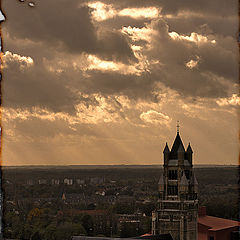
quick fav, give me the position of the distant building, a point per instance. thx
(30, 182)
(68, 181)
(214, 228)
(42, 181)
(177, 207)
(96, 180)
(55, 181)
(80, 181)
(73, 198)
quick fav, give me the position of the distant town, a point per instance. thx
(60, 202)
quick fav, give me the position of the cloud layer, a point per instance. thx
(98, 72)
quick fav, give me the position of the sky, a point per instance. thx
(105, 82)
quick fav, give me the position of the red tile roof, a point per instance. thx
(146, 234)
(216, 223)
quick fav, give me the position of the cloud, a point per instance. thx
(223, 7)
(96, 58)
(103, 11)
(193, 63)
(11, 114)
(98, 64)
(53, 28)
(2, 18)
(234, 100)
(194, 37)
(100, 74)
(41, 132)
(155, 117)
(150, 12)
(22, 61)
(138, 34)
(70, 30)
(186, 22)
(36, 86)
(112, 45)
(173, 54)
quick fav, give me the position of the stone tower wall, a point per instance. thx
(177, 209)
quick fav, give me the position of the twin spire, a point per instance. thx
(177, 146)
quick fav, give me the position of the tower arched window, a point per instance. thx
(172, 174)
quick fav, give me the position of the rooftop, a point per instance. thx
(215, 223)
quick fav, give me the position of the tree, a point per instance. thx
(127, 230)
(64, 231)
(91, 206)
(87, 223)
(78, 229)
(50, 232)
(36, 236)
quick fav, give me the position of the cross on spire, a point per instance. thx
(178, 126)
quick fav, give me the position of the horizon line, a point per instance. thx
(90, 165)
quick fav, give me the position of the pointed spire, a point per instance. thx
(181, 148)
(184, 181)
(195, 182)
(166, 149)
(189, 149)
(176, 145)
(161, 182)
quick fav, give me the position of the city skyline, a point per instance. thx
(105, 82)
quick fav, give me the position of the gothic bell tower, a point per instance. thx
(177, 207)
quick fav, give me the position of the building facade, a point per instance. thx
(177, 207)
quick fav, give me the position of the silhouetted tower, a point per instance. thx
(177, 209)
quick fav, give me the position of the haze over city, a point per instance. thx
(105, 82)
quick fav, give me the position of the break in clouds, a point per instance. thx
(114, 76)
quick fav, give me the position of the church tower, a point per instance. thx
(177, 207)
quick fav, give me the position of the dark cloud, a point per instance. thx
(117, 22)
(219, 7)
(108, 83)
(52, 22)
(190, 82)
(174, 54)
(36, 87)
(219, 61)
(112, 40)
(67, 26)
(203, 25)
